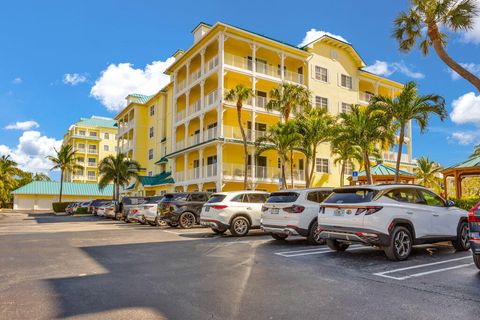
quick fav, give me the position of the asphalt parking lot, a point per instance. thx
(86, 267)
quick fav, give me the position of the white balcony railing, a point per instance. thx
(237, 61)
(211, 64)
(179, 176)
(392, 156)
(194, 173)
(180, 115)
(211, 170)
(293, 77)
(91, 150)
(92, 164)
(196, 106)
(181, 85)
(82, 150)
(179, 145)
(260, 102)
(91, 177)
(258, 134)
(365, 97)
(194, 140)
(232, 132)
(210, 134)
(211, 98)
(195, 75)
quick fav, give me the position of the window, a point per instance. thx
(92, 161)
(345, 107)
(404, 195)
(200, 197)
(81, 146)
(348, 168)
(82, 132)
(346, 81)
(321, 74)
(321, 165)
(150, 154)
(216, 198)
(283, 197)
(152, 110)
(354, 195)
(79, 172)
(93, 134)
(149, 173)
(238, 198)
(91, 175)
(106, 148)
(321, 102)
(318, 196)
(279, 163)
(257, 198)
(81, 160)
(150, 134)
(432, 199)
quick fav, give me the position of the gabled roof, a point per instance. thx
(470, 162)
(383, 170)
(96, 121)
(140, 98)
(156, 180)
(162, 160)
(69, 189)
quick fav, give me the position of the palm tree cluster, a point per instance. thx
(354, 137)
(118, 170)
(12, 177)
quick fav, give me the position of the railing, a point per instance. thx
(196, 106)
(298, 175)
(211, 170)
(211, 64)
(258, 134)
(90, 177)
(211, 98)
(267, 69)
(232, 132)
(194, 140)
(365, 97)
(210, 134)
(194, 173)
(180, 115)
(179, 145)
(260, 102)
(195, 75)
(92, 150)
(293, 76)
(80, 150)
(92, 164)
(181, 85)
(237, 61)
(392, 156)
(179, 176)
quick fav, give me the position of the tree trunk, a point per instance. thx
(366, 161)
(117, 192)
(61, 186)
(245, 149)
(291, 168)
(312, 170)
(284, 182)
(342, 174)
(114, 191)
(399, 151)
(434, 35)
(307, 172)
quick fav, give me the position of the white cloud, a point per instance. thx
(384, 68)
(465, 137)
(25, 125)
(473, 35)
(466, 109)
(74, 78)
(32, 150)
(17, 80)
(472, 67)
(120, 80)
(314, 34)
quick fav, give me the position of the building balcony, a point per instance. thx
(194, 140)
(195, 75)
(194, 174)
(211, 64)
(365, 97)
(180, 115)
(210, 134)
(195, 107)
(211, 99)
(392, 156)
(93, 151)
(211, 170)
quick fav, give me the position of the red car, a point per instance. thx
(474, 223)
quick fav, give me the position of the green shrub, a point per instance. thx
(60, 206)
(81, 211)
(466, 203)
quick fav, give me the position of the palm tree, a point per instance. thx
(456, 15)
(476, 151)
(281, 137)
(365, 128)
(288, 98)
(238, 95)
(427, 172)
(314, 128)
(119, 170)
(65, 161)
(8, 181)
(409, 105)
(346, 153)
(39, 176)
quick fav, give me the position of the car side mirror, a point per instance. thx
(450, 203)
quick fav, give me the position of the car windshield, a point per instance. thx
(133, 201)
(154, 200)
(100, 202)
(281, 197)
(174, 197)
(215, 198)
(354, 195)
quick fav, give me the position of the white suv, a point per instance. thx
(238, 211)
(392, 217)
(294, 212)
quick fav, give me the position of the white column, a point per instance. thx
(282, 66)
(187, 123)
(185, 164)
(201, 164)
(201, 128)
(254, 58)
(202, 95)
(392, 92)
(187, 78)
(376, 88)
(219, 167)
(220, 82)
(187, 103)
(174, 97)
(202, 62)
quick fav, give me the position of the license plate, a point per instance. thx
(339, 212)
(475, 235)
(275, 210)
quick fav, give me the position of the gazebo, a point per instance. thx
(459, 171)
(383, 174)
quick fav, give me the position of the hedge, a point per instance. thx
(60, 206)
(81, 211)
(466, 203)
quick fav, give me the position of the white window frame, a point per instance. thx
(349, 168)
(106, 136)
(106, 148)
(321, 164)
(346, 82)
(152, 110)
(151, 132)
(320, 73)
(150, 154)
(323, 102)
(346, 105)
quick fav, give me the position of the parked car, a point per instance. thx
(237, 211)
(474, 223)
(150, 211)
(92, 209)
(69, 207)
(110, 208)
(135, 214)
(126, 204)
(182, 209)
(294, 212)
(392, 217)
(83, 205)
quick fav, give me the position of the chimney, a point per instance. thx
(200, 30)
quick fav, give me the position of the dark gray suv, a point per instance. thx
(182, 209)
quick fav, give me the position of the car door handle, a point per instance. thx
(435, 214)
(409, 212)
(249, 208)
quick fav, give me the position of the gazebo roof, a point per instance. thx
(470, 162)
(383, 170)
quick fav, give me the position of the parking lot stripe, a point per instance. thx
(385, 274)
(298, 253)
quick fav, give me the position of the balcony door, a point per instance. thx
(211, 166)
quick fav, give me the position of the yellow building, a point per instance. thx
(92, 139)
(196, 137)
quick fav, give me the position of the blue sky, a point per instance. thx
(53, 52)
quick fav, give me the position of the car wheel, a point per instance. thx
(153, 224)
(400, 244)
(173, 225)
(336, 245)
(142, 220)
(160, 223)
(476, 259)
(462, 243)
(239, 226)
(186, 220)
(314, 235)
(219, 231)
(279, 236)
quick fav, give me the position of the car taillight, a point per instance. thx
(474, 214)
(294, 209)
(135, 211)
(219, 207)
(368, 210)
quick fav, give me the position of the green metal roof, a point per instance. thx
(470, 162)
(382, 170)
(156, 180)
(140, 98)
(97, 122)
(69, 188)
(162, 160)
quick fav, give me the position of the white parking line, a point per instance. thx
(306, 252)
(385, 274)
